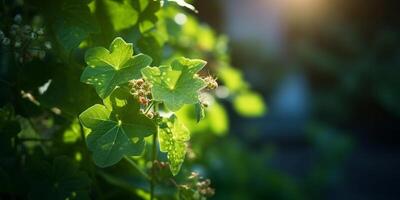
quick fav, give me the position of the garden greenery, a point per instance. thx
(103, 94)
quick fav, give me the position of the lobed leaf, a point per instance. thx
(117, 132)
(108, 69)
(177, 84)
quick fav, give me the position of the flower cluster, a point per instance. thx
(197, 187)
(211, 82)
(27, 41)
(140, 89)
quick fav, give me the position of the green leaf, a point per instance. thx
(200, 113)
(73, 23)
(149, 45)
(177, 84)
(147, 16)
(173, 136)
(116, 133)
(122, 14)
(108, 69)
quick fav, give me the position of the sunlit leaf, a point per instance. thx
(177, 84)
(109, 68)
(147, 16)
(173, 136)
(122, 14)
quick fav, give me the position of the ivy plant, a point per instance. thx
(118, 127)
(114, 94)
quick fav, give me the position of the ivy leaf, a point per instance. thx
(108, 69)
(116, 133)
(177, 84)
(173, 136)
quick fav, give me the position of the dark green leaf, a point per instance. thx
(73, 23)
(117, 132)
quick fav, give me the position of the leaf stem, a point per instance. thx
(132, 162)
(148, 108)
(154, 156)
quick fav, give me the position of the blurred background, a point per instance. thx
(307, 108)
(329, 71)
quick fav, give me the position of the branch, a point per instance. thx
(154, 156)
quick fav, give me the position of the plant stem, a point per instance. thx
(149, 107)
(132, 162)
(154, 156)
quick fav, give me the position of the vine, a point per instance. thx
(79, 117)
(119, 126)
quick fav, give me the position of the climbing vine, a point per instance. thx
(100, 96)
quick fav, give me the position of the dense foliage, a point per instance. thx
(79, 120)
